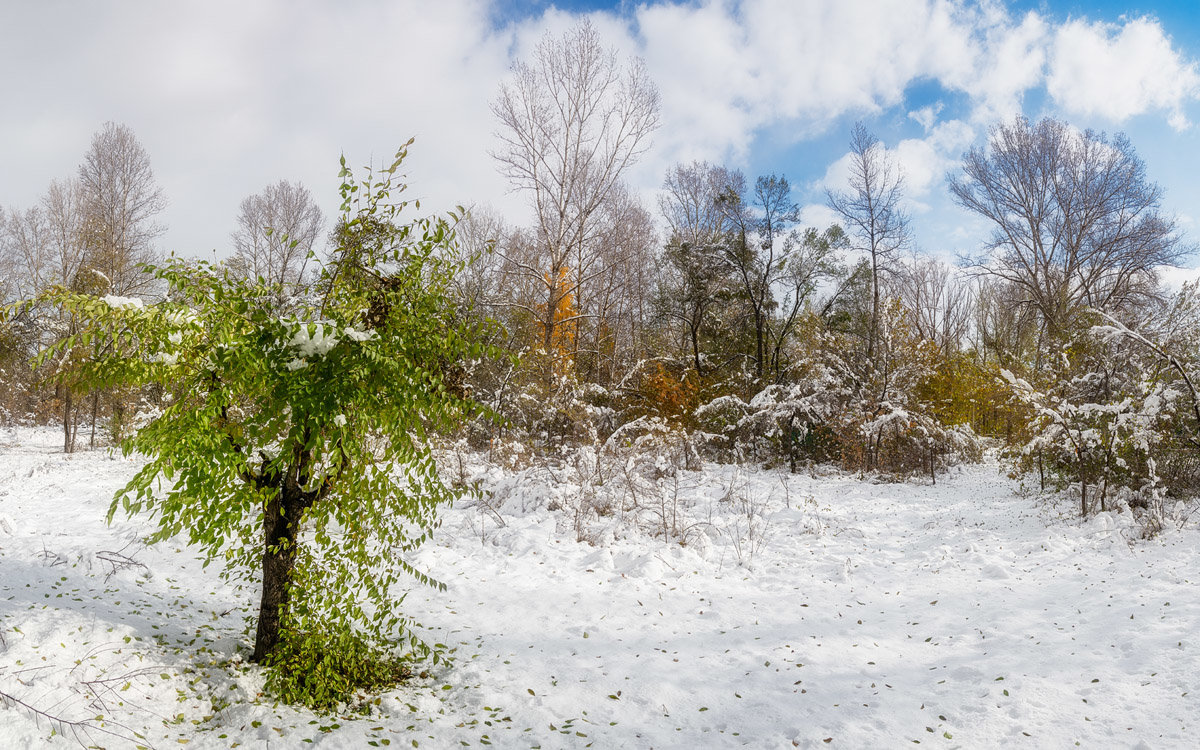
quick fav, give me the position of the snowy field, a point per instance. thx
(803, 612)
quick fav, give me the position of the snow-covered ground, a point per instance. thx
(803, 612)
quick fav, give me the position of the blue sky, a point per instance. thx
(229, 96)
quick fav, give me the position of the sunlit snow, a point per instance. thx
(802, 611)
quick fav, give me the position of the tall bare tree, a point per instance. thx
(1076, 222)
(871, 210)
(940, 302)
(1004, 329)
(122, 199)
(479, 234)
(276, 230)
(42, 247)
(8, 288)
(572, 121)
(22, 246)
(65, 250)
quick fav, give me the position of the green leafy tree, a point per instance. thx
(296, 449)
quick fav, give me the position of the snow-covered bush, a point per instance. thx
(546, 416)
(652, 447)
(904, 441)
(891, 423)
(1100, 415)
(832, 403)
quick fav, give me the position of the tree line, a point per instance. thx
(92, 233)
(716, 316)
(758, 338)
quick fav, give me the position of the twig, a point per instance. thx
(80, 730)
(52, 558)
(119, 561)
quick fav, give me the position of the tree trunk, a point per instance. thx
(695, 335)
(792, 443)
(280, 524)
(760, 333)
(95, 412)
(68, 422)
(873, 332)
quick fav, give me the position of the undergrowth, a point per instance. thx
(324, 672)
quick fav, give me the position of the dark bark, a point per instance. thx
(695, 333)
(95, 413)
(69, 423)
(280, 524)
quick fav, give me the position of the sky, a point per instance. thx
(229, 97)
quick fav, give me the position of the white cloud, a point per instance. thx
(699, 59)
(727, 71)
(1011, 60)
(923, 162)
(731, 70)
(818, 215)
(1174, 278)
(927, 116)
(1119, 71)
(228, 96)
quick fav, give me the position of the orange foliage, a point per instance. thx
(563, 324)
(669, 395)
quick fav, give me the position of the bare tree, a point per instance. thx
(121, 201)
(939, 302)
(872, 213)
(277, 229)
(28, 269)
(44, 246)
(571, 122)
(688, 202)
(619, 278)
(1076, 223)
(8, 267)
(65, 207)
(479, 234)
(88, 234)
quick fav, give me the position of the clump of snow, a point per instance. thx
(313, 339)
(181, 317)
(356, 335)
(100, 275)
(114, 301)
